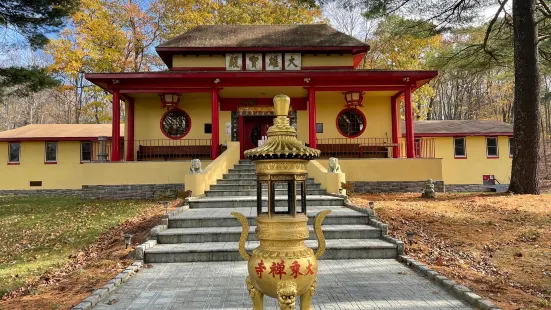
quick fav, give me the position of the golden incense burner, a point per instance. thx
(282, 266)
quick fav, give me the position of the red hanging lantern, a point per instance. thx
(169, 100)
(353, 99)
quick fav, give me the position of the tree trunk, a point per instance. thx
(524, 173)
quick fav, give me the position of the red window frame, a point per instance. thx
(50, 162)
(163, 130)
(464, 145)
(14, 162)
(344, 111)
(497, 148)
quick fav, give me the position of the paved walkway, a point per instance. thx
(342, 284)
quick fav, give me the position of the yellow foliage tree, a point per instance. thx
(401, 44)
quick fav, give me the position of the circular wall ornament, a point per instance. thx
(351, 122)
(175, 123)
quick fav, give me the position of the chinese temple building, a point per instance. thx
(215, 102)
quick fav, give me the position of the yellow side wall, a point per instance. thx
(309, 60)
(471, 169)
(390, 169)
(209, 61)
(69, 173)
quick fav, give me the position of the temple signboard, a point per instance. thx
(259, 61)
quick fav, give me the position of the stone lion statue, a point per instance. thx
(287, 295)
(428, 191)
(334, 166)
(195, 167)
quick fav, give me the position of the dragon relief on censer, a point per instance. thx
(282, 266)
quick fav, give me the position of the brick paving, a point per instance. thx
(342, 284)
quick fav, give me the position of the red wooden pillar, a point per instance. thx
(312, 117)
(395, 126)
(130, 131)
(410, 140)
(116, 128)
(215, 120)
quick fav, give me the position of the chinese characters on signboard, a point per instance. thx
(259, 61)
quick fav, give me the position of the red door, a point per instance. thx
(255, 127)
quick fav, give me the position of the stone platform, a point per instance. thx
(342, 284)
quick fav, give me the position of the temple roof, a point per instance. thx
(57, 132)
(461, 127)
(274, 36)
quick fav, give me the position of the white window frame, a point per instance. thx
(511, 146)
(9, 152)
(497, 148)
(46, 152)
(91, 155)
(464, 147)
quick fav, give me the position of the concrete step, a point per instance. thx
(248, 181)
(232, 187)
(250, 201)
(221, 217)
(228, 251)
(240, 175)
(245, 162)
(232, 234)
(252, 192)
(242, 170)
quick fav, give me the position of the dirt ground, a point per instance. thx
(87, 270)
(498, 245)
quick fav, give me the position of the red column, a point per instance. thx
(116, 128)
(395, 126)
(215, 125)
(410, 141)
(130, 131)
(312, 117)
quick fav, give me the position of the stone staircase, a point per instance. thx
(208, 232)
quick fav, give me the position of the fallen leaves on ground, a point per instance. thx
(85, 268)
(498, 245)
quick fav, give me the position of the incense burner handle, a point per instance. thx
(244, 234)
(319, 233)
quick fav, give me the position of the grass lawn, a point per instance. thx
(42, 234)
(498, 245)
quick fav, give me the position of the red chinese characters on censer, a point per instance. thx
(278, 269)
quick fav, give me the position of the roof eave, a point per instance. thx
(460, 134)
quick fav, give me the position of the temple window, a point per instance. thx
(460, 148)
(351, 122)
(175, 124)
(14, 153)
(51, 152)
(85, 151)
(511, 146)
(491, 147)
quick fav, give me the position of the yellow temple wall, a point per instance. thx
(207, 61)
(148, 114)
(69, 173)
(469, 170)
(376, 110)
(323, 60)
(390, 169)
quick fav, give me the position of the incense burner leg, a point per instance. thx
(287, 295)
(306, 298)
(256, 296)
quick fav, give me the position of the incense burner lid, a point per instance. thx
(282, 140)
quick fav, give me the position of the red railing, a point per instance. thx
(372, 147)
(356, 147)
(165, 149)
(423, 148)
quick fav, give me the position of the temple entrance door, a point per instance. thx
(254, 128)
